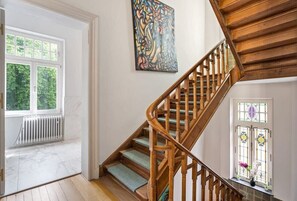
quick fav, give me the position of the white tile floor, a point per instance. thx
(35, 165)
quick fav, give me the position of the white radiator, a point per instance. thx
(41, 129)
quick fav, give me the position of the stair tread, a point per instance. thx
(144, 141)
(182, 122)
(181, 111)
(172, 133)
(137, 157)
(126, 176)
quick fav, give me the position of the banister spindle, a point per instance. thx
(208, 80)
(213, 64)
(223, 61)
(203, 183)
(187, 122)
(194, 179)
(195, 94)
(153, 165)
(184, 170)
(167, 115)
(222, 191)
(201, 88)
(218, 66)
(227, 57)
(228, 194)
(177, 113)
(171, 162)
(217, 190)
(210, 188)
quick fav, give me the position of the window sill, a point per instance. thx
(18, 115)
(257, 188)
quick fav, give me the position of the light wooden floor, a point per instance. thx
(75, 188)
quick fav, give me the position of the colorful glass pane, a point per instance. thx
(252, 111)
(261, 139)
(243, 137)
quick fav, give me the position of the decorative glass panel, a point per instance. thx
(252, 112)
(261, 154)
(17, 87)
(243, 149)
(46, 88)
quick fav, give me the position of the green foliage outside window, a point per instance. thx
(46, 88)
(17, 87)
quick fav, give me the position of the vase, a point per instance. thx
(252, 182)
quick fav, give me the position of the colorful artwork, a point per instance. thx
(154, 36)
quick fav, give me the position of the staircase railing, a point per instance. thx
(174, 114)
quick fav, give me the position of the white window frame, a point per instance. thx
(268, 125)
(34, 63)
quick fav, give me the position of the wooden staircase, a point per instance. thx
(261, 43)
(182, 112)
(262, 35)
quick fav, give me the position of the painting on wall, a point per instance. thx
(154, 39)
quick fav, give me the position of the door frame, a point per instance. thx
(90, 143)
(2, 103)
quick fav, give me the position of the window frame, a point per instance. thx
(34, 63)
(250, 124)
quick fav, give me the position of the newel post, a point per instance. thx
(153, 166)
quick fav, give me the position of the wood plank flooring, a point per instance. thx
(75, 188)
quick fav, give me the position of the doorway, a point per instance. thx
(71, 111)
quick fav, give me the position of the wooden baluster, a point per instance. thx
(201, 88)
(227, 57)
(213, 69)
(223, 61)
(208, 80)
(222, 190)
(232, 196)
(177, 113)
(203, 183)
(171, 163)
(153, 166)
(210, 188)
(167, 115)
(194, 178)
(184, 169)
(228, 194)
(187, 122)
(195, 94)
(218, 190)
(218, 67)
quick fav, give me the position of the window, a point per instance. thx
(253, 139)
(33, 73)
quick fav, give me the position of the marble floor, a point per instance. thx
(35, 165)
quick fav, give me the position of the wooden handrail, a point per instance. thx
(213, 72)
(153, 106)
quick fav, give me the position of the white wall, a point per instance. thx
(37, 20)
(125, 94)
(294, 143)
(217, 134)
(213, 31)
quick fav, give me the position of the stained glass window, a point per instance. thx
(252, 112)
(243, 149)
(253, 140)
(261, 153)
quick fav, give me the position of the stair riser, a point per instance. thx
(136, 168)
(138, 147)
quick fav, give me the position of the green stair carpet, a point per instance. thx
(128, 177)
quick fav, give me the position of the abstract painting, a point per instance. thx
(154, 38)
